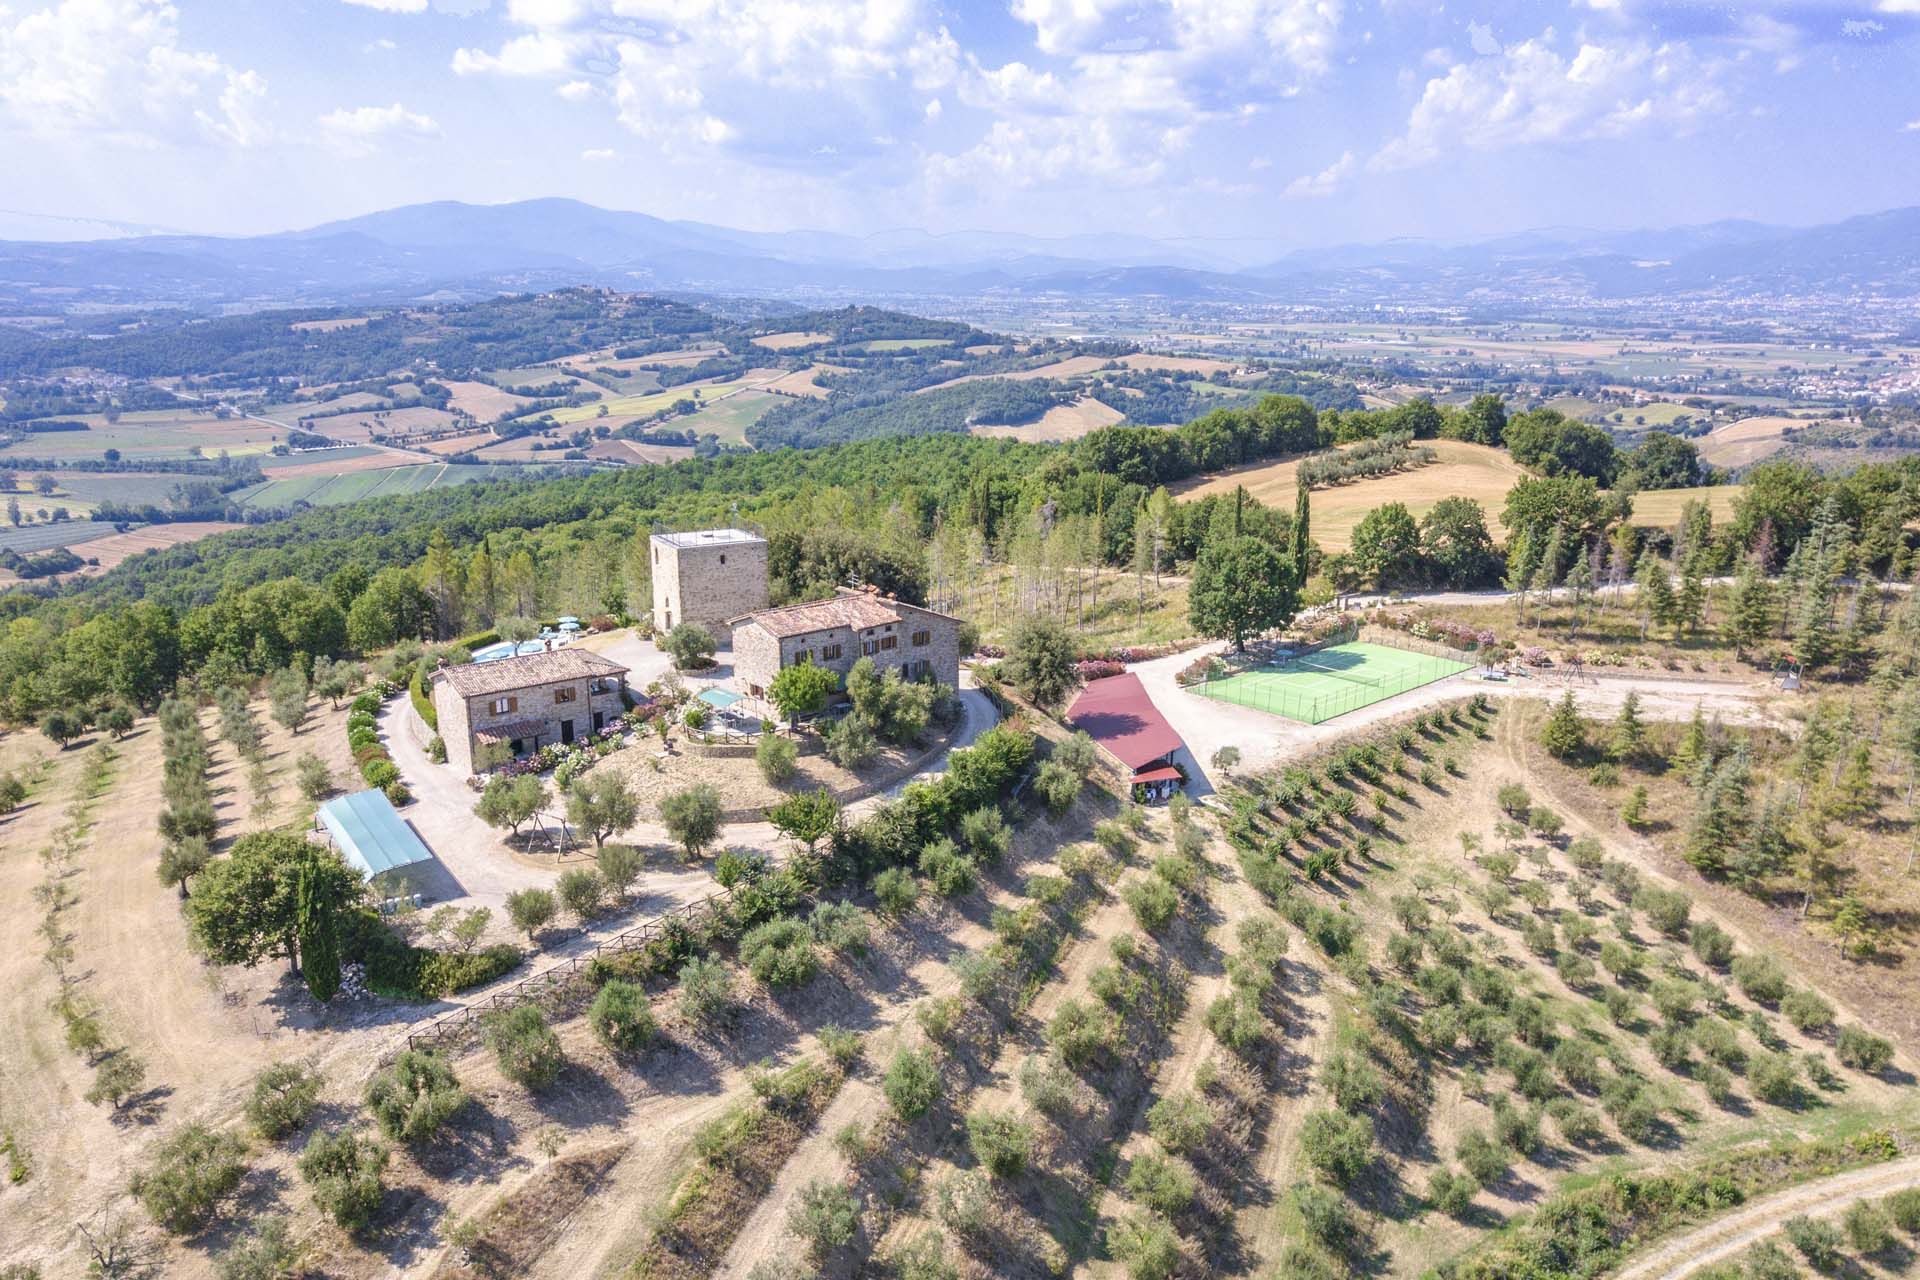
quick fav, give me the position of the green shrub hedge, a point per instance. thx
(417, 690)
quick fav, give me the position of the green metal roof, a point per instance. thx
(371, 835)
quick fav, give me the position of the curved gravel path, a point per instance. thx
(1734, 1233)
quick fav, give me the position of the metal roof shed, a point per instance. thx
(1118, 715)
(371, 835)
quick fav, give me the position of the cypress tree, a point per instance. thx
(319, 937)
(1299, 544)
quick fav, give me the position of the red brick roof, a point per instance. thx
(1117, 713)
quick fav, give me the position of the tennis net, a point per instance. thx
(1348, 676)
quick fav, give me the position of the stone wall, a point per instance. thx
(758, 655)
(462, 718)
(706, 584)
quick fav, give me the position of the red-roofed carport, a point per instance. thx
(1122, 720)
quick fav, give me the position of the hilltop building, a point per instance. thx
(707, 576)
(837, 632)
(526, 702)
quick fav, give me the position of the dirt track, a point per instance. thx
(1726, 1236)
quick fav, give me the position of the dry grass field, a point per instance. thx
(484, 401)
(1179, 364)
(360, 428)
(1071, 367)
(455, 444)
(791, 340)
(111, 550)
(1747, 441)
(1464, 470)
(1660, 508)
(331, 325)
(804, 382)
(635, 451)
(1062, 422)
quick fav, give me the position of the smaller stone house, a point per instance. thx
(836, 633)
(526, 702)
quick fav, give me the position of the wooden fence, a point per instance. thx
(459, 1022)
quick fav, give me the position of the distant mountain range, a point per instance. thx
(448, 249)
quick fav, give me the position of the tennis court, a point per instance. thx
(1330, 682)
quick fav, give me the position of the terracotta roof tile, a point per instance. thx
(477, 679)
(855, 611)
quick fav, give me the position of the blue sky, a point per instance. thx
(1291, 121)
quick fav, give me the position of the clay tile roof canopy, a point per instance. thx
(857, 612)
(503, 675)
(1118, 715)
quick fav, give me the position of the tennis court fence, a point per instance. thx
(1374, 633)
(1313, 706)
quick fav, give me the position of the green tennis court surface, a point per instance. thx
(1330, 682)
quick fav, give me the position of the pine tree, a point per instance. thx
(1855, 791)
(1769, 845)
(1749, 608)
(1634, 811)
(1720, 814)
(1689, 607)
(1564, 736)
(1629, 731)
(1656, 593)
(1693, 746)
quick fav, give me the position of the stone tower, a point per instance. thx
(707, 576)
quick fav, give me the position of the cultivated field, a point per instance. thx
(1062, 422)
(1463, 470)
(483, 401)
(1070, 367)
(791, 340)
(352, 486)
(635, 451)
(114, 548)
(1660, 508)
(1747, 441)
(159, 433)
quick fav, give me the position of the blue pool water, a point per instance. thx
(719, 699)
(506, 649)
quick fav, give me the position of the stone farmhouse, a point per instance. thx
(836, 633)
(526, 702)
(706, 576)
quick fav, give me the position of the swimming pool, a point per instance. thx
(507, 649)
(719, 699)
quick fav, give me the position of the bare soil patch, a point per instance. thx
(484, 401)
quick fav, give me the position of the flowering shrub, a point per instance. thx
(1097, 669)
(1446, 631)
(1534, 656)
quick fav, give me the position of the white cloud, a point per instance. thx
(537, 54)
(576, 90)
(1533, 94)
(392, 6)
(1325, 182)
(358, 131)
(382, 45)
(598, 153)
(115, 68)
(1911, 126)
